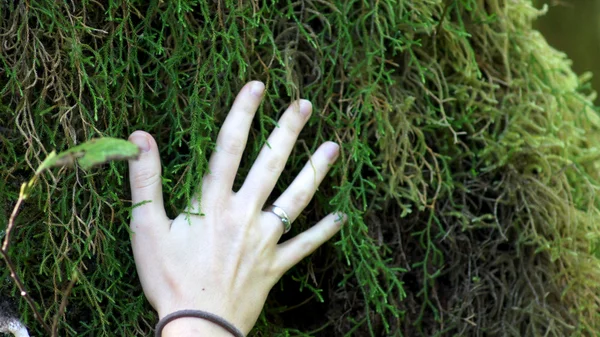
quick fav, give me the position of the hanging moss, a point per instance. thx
(469, 163)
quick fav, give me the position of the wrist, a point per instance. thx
(218, 319)
(193, 327)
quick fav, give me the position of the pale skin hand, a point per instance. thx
(226, 261)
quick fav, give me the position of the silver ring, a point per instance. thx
(285, 220)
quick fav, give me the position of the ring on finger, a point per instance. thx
(285, 220)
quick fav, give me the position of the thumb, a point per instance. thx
(145, 180)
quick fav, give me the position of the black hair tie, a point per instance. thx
(197, 314)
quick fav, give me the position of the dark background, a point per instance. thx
(573, 27)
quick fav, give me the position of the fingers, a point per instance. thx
(225, 160)
(293, 250)
(145, 181)
(297, 196)
(272, 158)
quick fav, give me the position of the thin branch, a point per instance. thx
(63, 306)
(11, 266)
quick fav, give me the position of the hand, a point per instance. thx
(226, 261)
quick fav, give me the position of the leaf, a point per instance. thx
(94, 152)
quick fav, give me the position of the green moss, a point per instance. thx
(468, 168)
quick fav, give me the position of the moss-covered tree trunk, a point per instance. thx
(468, 166)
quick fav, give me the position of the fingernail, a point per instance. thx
(332, 150)
(141, 141)
(305, 107)
(257, 88)
(341, 218)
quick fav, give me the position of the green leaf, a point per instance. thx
(94, 152)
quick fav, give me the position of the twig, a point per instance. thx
(9, 263)
(63, 305)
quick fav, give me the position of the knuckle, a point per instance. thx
(301, 197)
(236, 212)
(275, 163)
(145, 178)
(232, 145)
(306, 246)
(209, 178)
(293, 126)
(276, 271)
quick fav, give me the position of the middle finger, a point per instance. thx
(271, 161)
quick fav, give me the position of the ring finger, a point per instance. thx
(297, 196)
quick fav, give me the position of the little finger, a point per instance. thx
(295, 249)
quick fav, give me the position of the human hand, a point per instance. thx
(226, 261)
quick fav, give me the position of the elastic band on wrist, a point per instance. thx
(197, 314)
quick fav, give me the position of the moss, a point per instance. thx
(468, 168)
